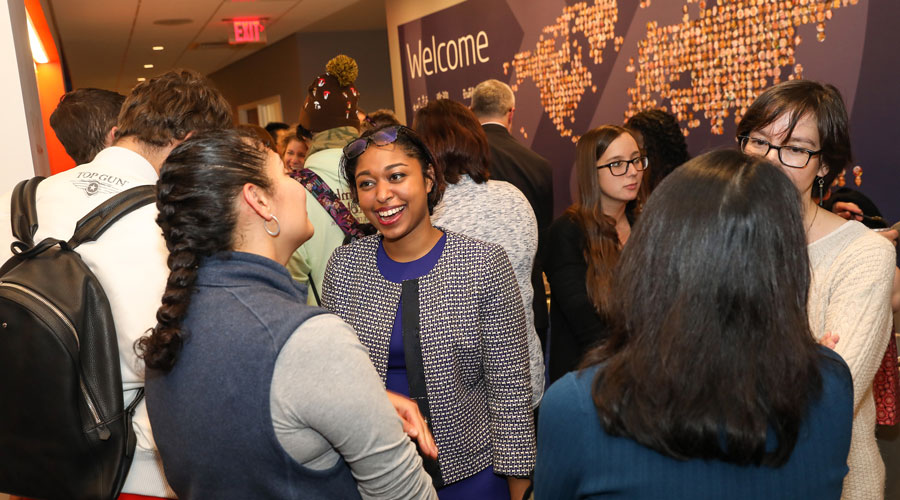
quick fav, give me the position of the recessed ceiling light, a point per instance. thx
(141, 79)
(173, 22)
(148, 66)
(158, 47)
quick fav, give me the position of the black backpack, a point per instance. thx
(64, 429)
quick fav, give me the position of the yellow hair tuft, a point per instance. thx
(343, 68)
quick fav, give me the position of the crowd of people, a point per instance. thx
(348, 307)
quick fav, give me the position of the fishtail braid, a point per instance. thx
(196, 190)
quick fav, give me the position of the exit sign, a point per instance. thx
(248, 31)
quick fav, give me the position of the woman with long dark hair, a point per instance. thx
(585, 242)
(253, 394)
(802, 126)
(710, 384)
(441, 315)
(481, 208)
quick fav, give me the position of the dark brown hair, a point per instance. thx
(170, 106)
(196, 192)
(710, 347)
(83, 119)
(798, 98)
(601, 240)
(456, 138)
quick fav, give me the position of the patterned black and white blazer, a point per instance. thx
(474, 348)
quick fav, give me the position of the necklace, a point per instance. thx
(812, 221)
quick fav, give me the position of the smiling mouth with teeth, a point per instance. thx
(387, 213)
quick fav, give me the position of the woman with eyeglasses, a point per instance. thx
(585, 242)
(441, 315)
(802, 126)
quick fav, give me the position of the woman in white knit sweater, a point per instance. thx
(803, 126)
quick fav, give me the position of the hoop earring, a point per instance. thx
(821, 191)
(270, 232)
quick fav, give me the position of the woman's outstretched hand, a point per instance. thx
(414, 424)
(829, 340)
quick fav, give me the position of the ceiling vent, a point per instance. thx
(213, 45)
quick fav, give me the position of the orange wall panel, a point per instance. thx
(50, 87)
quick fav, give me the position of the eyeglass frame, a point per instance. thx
(397, 129)
(644, 160)
(742, 141)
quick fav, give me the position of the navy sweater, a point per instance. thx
(210, 414)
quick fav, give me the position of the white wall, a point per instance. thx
(401, 12)
(24, 150)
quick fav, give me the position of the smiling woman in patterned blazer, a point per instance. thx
(441, 315)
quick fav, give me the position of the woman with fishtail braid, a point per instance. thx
(252, 393)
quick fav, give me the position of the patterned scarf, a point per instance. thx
(331, 203)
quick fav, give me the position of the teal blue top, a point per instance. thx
(577, 458)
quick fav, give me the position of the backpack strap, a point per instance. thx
(23, 211)
(98, 220)
(330, 202)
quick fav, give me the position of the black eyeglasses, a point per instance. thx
(620, 167)
(789, 156)
(381, 138)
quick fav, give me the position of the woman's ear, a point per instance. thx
(823, 170)
(258, 200)
(429, 178)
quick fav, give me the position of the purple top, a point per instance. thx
(398, 272)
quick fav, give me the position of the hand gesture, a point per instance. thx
(414, 424)
(829, 340)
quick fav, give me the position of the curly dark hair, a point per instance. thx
(410, 142)
(662, 141)
(170, 106)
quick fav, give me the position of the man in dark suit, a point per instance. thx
(493, 103)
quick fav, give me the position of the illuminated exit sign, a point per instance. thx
(248, 31)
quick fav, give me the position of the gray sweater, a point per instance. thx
(316, 428)
(497, 212)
